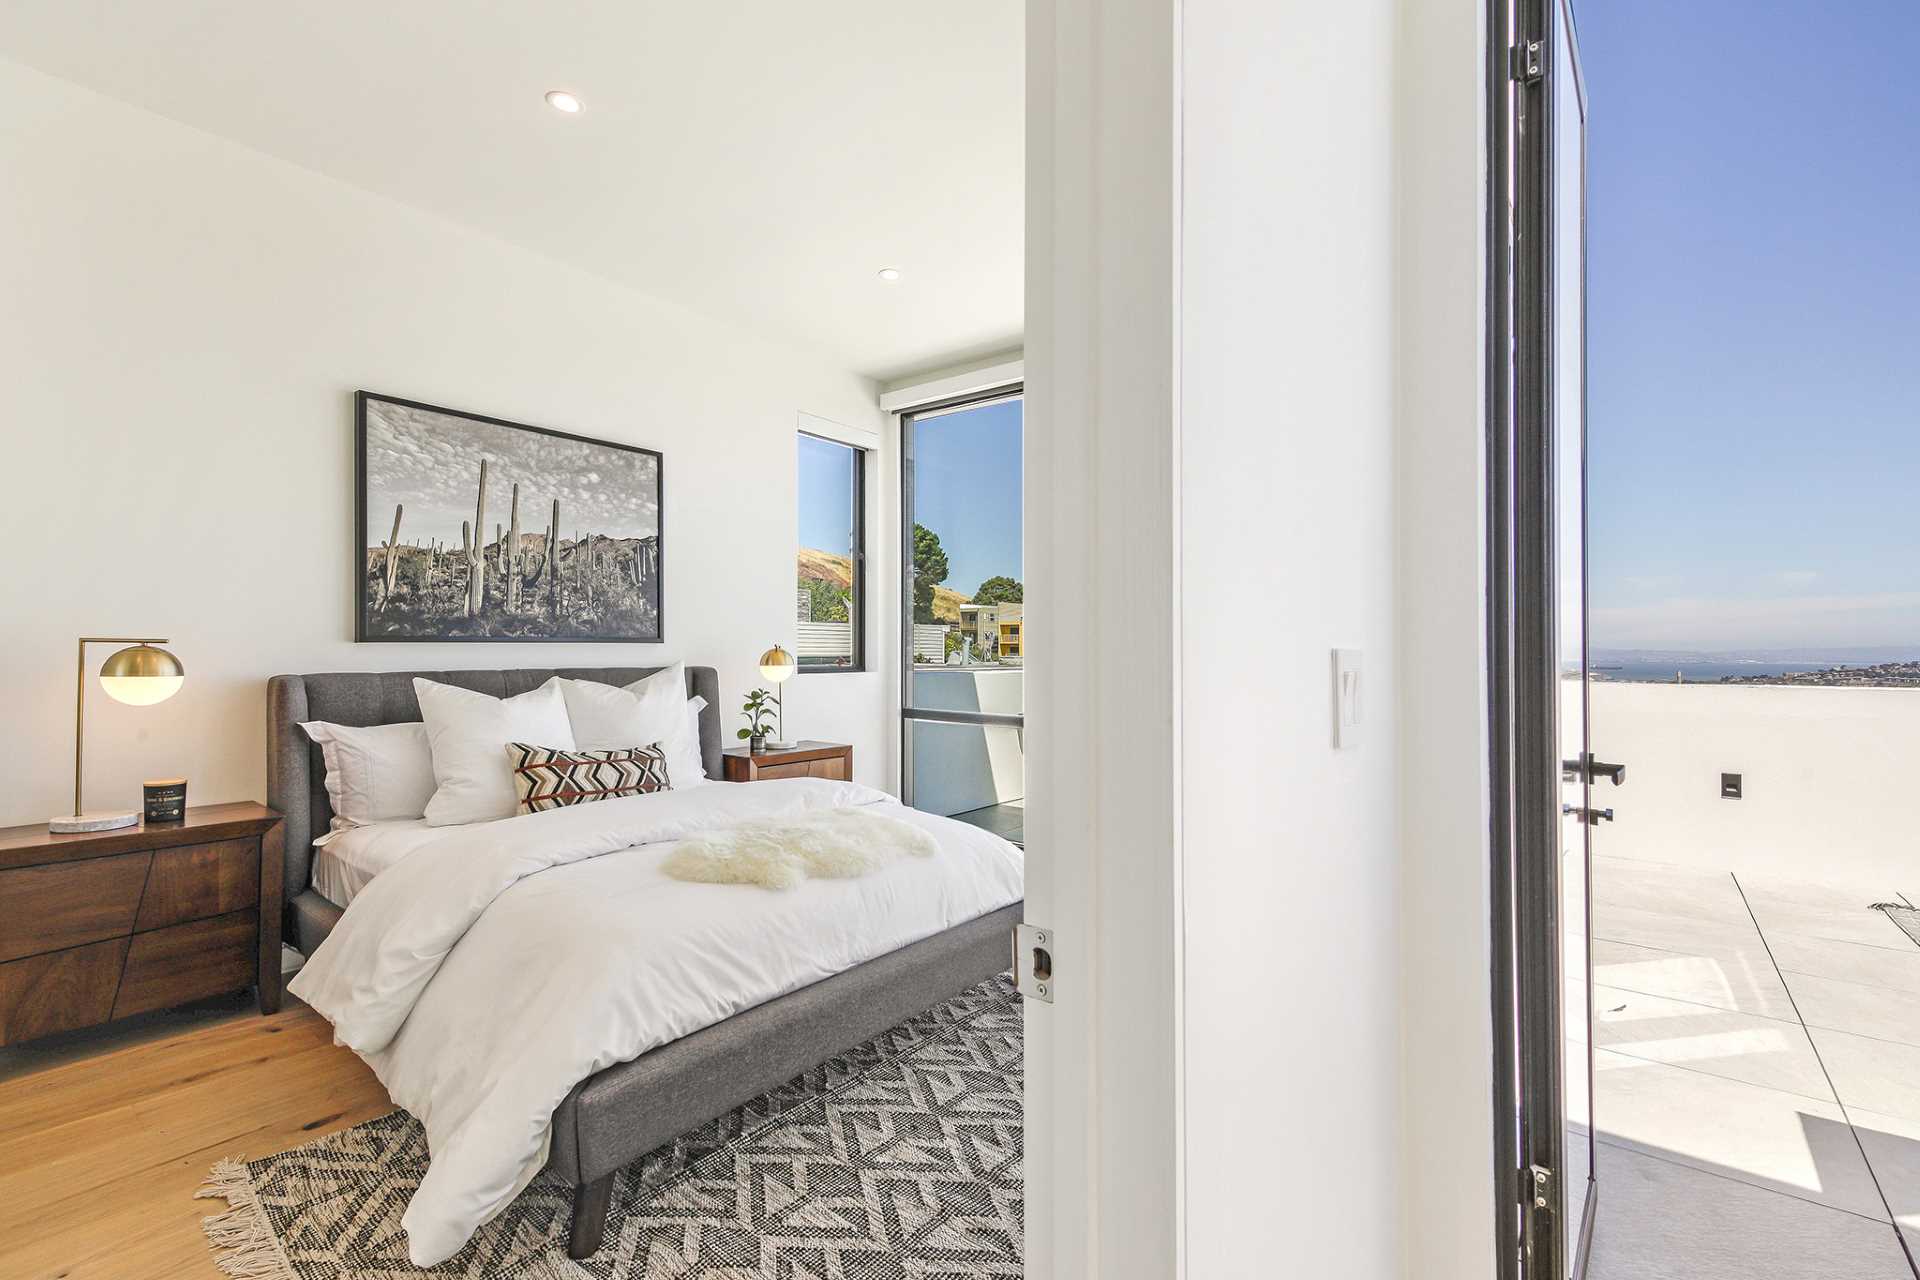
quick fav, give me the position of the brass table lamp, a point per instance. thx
(140, 676)
(778, 666)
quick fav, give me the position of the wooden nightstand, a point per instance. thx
(100, 925)
(803, 760)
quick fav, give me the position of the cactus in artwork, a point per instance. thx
(512, 569)
(588, 574)
(472, 552)
(393, 555)
(553, 562)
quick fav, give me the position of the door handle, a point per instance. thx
(1592, 770)
(1589, 816)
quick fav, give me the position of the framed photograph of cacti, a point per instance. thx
(476, 528)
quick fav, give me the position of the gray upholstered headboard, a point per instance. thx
(296, 777)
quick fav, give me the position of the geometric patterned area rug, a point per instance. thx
(897, 1160)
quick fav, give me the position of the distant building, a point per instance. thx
(994, 628)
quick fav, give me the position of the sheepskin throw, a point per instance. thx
(834, 845)
(548, 778)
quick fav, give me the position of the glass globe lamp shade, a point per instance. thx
(142, 675)
(777, 665)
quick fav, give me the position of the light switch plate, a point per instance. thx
(1347, 693)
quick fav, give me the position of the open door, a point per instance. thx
(1544, 801)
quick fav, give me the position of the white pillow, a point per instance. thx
(469, 733)
(695, 705)
(606, 717)
(376, 773)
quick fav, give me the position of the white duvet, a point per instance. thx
(493, 969)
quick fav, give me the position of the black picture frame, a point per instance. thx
(610, 626)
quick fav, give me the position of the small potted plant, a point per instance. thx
(758, 709)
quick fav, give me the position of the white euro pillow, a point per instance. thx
(607, 717)
(375, 773)
(469, 733)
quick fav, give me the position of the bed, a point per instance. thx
(618, 1113)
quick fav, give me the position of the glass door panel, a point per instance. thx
(963, 632)
(1568, 382)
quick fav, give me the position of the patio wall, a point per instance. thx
(1830, 779)
(957, 767)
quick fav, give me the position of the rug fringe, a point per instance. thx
(242, 1239)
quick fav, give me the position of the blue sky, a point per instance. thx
(1754, 322)
(966, 488)
(826, 495)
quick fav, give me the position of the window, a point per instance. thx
(830, 592)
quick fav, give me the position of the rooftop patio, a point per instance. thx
(1756, 1074)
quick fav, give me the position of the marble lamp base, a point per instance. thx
(98, 820)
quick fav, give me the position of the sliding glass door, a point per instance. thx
(963, 624)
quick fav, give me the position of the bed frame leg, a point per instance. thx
(590, 1204)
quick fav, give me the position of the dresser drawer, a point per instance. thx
(187, 962)
(193, 881)
(59, 991)
(799, 769)
(68, 904)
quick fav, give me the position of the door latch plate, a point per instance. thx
(1033, 961)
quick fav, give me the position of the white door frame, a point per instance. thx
(1103, 1170)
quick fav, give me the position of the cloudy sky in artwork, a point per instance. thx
(431, 462)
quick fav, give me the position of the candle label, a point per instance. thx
(166, 801)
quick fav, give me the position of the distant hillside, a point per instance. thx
(825, 566)
(946, 604)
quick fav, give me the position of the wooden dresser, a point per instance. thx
(802, 760)
(103, 924)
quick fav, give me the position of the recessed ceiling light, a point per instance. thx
(889, 273)
(561, 100)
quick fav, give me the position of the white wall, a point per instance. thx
(1827, 780)
(1287, 551)
(1446, 1067)
(185, 322)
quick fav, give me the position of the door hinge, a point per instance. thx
(1527, 62)
(1033, 962)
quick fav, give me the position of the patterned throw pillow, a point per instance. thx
(548, 778)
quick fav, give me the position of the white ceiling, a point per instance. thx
(758, 160)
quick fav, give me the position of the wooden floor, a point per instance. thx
(100, 1157)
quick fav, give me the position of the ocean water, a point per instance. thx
(1697, 672)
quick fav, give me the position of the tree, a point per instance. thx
(999, 589)
(827, 600)
(929, 570)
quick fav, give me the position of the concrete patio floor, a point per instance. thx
(1756, 1078)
